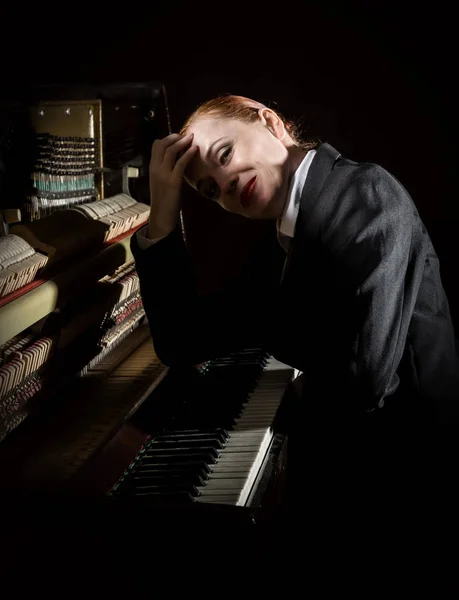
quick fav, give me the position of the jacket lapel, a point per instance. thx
(321, 166)
(323, 163)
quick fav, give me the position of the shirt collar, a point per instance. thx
(286, 224)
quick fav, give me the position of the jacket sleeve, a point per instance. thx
(189, 329)
(380, 248)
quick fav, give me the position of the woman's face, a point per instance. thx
(245, 167)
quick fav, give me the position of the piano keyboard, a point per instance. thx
(215, 449)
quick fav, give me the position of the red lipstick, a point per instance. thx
(247, 192)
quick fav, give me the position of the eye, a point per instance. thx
(211, 191)
(224, 156)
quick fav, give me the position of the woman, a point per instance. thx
(362, 283)
(359, 306)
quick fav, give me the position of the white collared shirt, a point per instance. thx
(286, 225)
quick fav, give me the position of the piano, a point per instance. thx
(91, 422)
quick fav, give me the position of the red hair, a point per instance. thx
(229, 106)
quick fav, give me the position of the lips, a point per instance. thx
(247, 192)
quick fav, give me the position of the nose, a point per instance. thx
(227, 183)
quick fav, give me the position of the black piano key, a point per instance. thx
(177, 433)
(166, 478)
(199, 467)
(186, 451)
(219, 434)
(171, 498)
(186, 444)
(183, 482)
(165, 488)
(207, 457)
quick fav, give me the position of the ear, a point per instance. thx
(273, 122)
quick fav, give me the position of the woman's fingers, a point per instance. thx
(160, 145)
(165, 151)
(169, 158)
(184, 159)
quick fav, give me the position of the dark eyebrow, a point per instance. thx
(208, 153)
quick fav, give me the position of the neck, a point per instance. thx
(296, 156)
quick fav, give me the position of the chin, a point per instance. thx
(259, 214)
(269, 210)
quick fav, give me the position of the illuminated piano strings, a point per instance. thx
(63, 174)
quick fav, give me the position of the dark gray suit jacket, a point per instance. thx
(361, 309)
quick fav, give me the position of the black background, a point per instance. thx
(374, 79)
